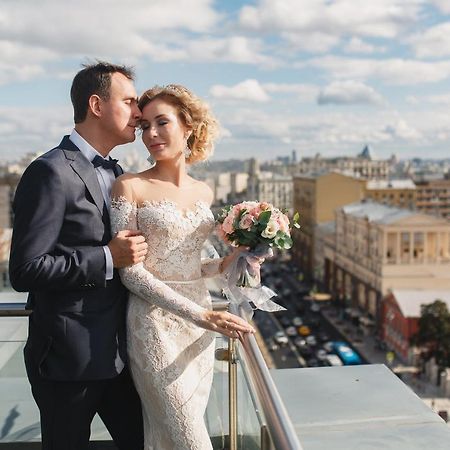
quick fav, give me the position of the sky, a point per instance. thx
(317, 76)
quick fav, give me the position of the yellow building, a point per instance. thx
(316, 198)
(401, 193)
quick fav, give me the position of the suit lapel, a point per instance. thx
(85, 170)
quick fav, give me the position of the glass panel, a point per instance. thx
(216, 416)
(250, 415)
(19, 415)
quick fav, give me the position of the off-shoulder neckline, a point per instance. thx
(183, 210)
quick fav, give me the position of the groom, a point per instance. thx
(63, 254)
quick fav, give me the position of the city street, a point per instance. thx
(291, 295)
(326, 324)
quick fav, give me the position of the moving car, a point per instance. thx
(280, 338)
(347, 355)
(333, 360)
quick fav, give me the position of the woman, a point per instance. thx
(170, 322)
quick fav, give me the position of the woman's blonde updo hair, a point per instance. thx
(195, 115)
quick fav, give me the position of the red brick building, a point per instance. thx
(400, 317)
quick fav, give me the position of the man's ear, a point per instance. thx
(95, 105)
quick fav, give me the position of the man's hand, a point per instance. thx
(128, 247)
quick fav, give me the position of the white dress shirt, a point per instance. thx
(105, 179)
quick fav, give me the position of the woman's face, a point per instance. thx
(163, 133)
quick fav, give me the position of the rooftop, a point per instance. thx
(410, 301)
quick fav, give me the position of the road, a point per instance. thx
(283, 280)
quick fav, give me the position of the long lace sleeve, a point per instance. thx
(211, 261)
(139, 280)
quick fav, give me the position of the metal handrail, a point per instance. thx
(13, 309)
(281, 429)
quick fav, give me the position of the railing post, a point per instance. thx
(265, 443)
(232, 393)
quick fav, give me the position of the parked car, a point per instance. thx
(315, 307)
(329, 346)
(285, 321)
(347, 355)
(297, 321)
(300, 342)
(280, 338)
(291, 331)
(272, 346)
(321, 354)
(304, 330)
(333, 360)
(311, 340)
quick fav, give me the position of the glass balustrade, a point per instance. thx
(234, 416)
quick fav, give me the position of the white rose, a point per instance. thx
(271, 230)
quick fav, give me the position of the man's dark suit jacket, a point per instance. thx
(77, 324)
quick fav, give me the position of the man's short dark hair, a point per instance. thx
(93, 79)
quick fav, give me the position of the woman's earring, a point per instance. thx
(187, 152)
(152, 161)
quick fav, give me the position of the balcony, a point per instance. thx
(251, 407)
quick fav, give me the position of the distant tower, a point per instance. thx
(253, 169)
(294, 156)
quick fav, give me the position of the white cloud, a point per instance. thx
(392, 71)
(347, 93)
(357, 45)
(156, 29)
(303, 92)
(442, 5)
(253, 90)
(402, 130)
(434, 42)
(236, 49)
(383, 18)
(248, 90)
(313, 42)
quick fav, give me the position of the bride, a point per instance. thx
(170, 323)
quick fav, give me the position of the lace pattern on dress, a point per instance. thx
(171, 358)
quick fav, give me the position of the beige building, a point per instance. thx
(317, 196)
(270, 187)
(363, 165)
(433, 197)
(377, 248)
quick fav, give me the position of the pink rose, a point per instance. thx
(227, 224)
(283, 222)
(246, 221)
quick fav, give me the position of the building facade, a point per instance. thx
(363, 165)
(378, 247)
(316, 198)
(400, 313)
(270, 187)
(433, 197)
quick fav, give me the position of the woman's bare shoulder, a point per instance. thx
(204, 191)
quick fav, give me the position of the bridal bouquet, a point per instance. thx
(261, 227)
(255, 224)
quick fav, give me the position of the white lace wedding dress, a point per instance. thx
(171, 358)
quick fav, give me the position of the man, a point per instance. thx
(63, 254)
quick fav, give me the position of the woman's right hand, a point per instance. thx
(225, 323)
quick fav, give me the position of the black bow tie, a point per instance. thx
(105, 163)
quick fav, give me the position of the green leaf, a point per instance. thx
(264, 218)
